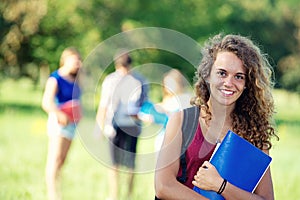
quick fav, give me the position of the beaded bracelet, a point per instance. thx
(222, 186)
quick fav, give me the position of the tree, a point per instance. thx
(19, 21)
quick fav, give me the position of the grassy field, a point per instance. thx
(23, 145)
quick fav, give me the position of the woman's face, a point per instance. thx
(227, 79)
(73, 62)
(172, 87)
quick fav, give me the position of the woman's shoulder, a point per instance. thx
(53, 78)
(55, 74)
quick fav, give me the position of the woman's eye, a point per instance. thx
(221, 73)
(239, 77)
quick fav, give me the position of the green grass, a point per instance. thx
(287, 106)
(285, 164)
(23, 147)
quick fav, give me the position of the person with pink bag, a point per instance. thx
(61, 100)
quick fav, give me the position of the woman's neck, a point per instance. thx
(220, 121)
(66, 74)
(220, 112)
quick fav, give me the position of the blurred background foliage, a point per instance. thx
(33, 33)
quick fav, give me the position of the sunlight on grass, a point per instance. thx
(286, 105)
(285, 164)
(21, 91)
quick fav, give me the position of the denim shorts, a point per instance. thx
(54, 128)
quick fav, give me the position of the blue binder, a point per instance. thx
(239, 162)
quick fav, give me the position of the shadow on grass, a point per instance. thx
(27, 109)
(19, 107)
(294, 122)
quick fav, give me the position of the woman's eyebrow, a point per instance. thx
(222, 69)
(241, 73)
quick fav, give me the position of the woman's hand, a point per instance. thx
(207, 177)
(62, 118)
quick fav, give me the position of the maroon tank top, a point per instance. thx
(197, 152)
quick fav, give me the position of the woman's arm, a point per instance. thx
(166, 184)
(48, 101)
(208, 177)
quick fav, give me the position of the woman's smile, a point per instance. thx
(227, 93)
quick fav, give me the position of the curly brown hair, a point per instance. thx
(252, 115)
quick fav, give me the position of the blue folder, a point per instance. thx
(239, 162)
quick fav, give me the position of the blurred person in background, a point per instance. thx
(61, 101)
(175, 98)
(122, 94)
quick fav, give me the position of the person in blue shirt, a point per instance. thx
(61, 101)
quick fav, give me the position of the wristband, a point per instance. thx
(222, 188)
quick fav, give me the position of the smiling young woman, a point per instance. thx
(232, 92)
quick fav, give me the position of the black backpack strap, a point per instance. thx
(188, 129)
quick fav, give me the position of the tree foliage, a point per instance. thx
(33, 33)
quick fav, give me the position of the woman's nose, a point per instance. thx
(228, 81)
